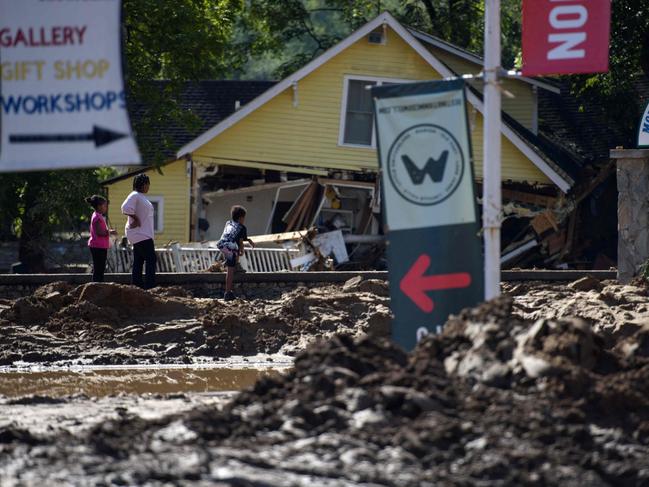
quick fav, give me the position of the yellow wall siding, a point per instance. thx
(308, 134)
(173, 186)
(512, 167)
(521, 106)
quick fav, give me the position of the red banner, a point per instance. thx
(565, 36)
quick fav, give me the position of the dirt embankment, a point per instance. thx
(116, 324)
(495, 400)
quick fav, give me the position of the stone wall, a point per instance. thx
(633, 211)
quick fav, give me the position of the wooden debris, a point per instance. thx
(544, 222)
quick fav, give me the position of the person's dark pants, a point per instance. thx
(144, 256)
(98, 263)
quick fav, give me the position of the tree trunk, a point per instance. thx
(432, 14)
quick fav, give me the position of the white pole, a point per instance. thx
(491, 188)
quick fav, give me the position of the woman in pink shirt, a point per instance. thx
(99, 241)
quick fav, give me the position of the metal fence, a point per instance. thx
(176, 258)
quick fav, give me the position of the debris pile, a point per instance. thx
(496, 399)
(116, 324)
(547, 230)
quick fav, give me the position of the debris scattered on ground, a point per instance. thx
(514, 392)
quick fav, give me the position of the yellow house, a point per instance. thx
(320, 118)
(319, 121)
(169, 193)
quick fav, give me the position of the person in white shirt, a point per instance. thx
(139, 231)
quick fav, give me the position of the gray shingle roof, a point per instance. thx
(211, 101)
(582, 132)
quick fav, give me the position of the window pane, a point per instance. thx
(156, 226)
(358, 98)
(358, 128)
(359, 117)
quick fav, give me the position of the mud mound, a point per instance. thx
(373, 286)
(132, 302)
(116, 324)
(494, 400)
(171, 292)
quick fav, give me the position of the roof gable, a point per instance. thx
(536, 156)
(383, 19)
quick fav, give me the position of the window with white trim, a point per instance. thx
(357, 117)
(158, 212)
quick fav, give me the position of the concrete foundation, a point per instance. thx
(632, 211)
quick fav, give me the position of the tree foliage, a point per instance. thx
(177, 41)
(616, 92)
(298, 30)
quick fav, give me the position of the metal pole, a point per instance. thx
(491, 200)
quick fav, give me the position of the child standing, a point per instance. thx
(231, 245)
(99, 241)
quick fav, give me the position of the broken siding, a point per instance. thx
(173, 187)
(280, 133)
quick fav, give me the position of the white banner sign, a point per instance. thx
(426, 160)
(62, 101)
(643, 132)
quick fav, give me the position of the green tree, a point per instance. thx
(296, 31)
(177, 41)
(616, 91)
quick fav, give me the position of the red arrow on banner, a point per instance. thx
(415, 284)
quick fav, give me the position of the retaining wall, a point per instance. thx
(13, 286)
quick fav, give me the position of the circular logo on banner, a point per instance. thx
(425, 164)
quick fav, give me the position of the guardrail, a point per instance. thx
(176, 258)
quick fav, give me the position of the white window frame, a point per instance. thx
(343, 108)
(160, 216)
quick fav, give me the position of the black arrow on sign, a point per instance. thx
(100, 136)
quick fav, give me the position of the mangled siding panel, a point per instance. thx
(173, 186)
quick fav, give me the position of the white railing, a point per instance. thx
(176, 258)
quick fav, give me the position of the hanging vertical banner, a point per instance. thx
(434, 252)
(62, 100)
(565, 36)
(643, 131)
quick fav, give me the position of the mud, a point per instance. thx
(105, 324)
(541, 388)
(49, 385)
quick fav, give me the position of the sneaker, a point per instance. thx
(229, 296)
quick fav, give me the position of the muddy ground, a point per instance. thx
(546, 386)
(110, 324)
